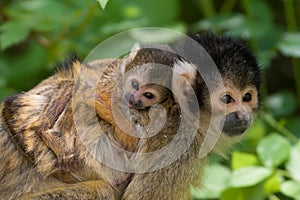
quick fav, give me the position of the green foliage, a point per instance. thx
(283, 99)
(217, 177)
(273, 150)
(34, 35)
(274, 168)
(290, 44)
(103, 3)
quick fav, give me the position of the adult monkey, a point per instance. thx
(233, 105)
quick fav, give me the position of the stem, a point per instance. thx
(86, 20)
(228, 6)
(296, 69)
(290, 15)
(252, 22)
(274, 124)
(207, 8)
(273, 197)
(284, 173)
(292, 27)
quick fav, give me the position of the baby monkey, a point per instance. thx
(126, 93)
(139, 93)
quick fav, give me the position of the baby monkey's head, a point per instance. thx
(146, 85)
(147, 75)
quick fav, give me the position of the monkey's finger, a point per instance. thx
(59, 164)
(76, 163)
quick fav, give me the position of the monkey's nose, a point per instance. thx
(241, 115)
(132, 100)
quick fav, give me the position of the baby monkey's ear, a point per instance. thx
(183, 80)
(184, 77)
(126, 63)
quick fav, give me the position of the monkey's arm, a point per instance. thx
(55, 126)
(32, 118)
(173, 180)
(94, 189)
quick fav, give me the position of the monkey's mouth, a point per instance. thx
(131, 103)
(234, 131)
(126, 101)
(236, 123)
(235, 128)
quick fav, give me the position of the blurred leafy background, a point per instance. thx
(34, 35)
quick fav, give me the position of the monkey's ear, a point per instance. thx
(183, 80)
(184, 72)
(126, 61)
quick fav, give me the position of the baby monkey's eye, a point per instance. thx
(149, 95)
(226, 99)
(135, 85)
(247, 97)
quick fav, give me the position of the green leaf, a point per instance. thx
(293, 165)
(273, 150)
(248, 193)
(291, 189)
(2, 81)
(220, 22)
(215, 181)
(240, 159)
(255, 134)
(272, 184)
(103, 3)
(5, 92)
(290, 44)
(13, 32)
(293, 125)
(282, 104)
(155, 35)
(249, 176)
(265, 57)
(27, 66)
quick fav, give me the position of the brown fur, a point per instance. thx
(39, 123)
(38, 131)
(33, 168)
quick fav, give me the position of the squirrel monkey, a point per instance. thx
(39, 131)
(134, 85)
(37, 127)
(228, 107)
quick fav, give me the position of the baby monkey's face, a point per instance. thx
(139, 94)
(238, 105)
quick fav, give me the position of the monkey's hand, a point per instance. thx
(66, 156)
(139, 117)
(134, 116)
(125, 180)
(68, 162)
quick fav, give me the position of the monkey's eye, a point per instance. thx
(149, 95)
(135, 85)
(247, 97)
(226, 99)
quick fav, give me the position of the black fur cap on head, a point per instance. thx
(234, 60)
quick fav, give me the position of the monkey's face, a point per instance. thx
(138, 95)
(238, 107)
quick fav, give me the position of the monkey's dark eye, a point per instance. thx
(247, 97)
(226, 99)
(149, 95)
(135, 85)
